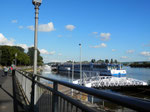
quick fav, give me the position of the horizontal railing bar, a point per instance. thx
(25, 75)
(130, 102)
(67, 98)
(74, 102)
(44, 86)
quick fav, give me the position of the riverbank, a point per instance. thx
(30, 69)
(143, 65)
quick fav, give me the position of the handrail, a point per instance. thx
(126, 101)
(130, 102)
(30, 78)
(77, 103)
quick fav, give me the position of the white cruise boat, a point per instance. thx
(100, 69)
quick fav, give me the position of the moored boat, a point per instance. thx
(102, 69)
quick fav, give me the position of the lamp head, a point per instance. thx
(37, 2)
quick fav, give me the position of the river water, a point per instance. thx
(136, 73)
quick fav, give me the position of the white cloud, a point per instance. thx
(31, 46)
(23, 46)
(46, 27)
(59, 35)
(43, 27)
(103, 45)
(145, 53)
(52, 52)
(99, 46)
(113, 50)
(59, 54)
(95, 33)
(54, 60)
(31, 27)
(5, 41)
(20, 27)
(43, 51)
(14, 21)
(70, 27)
(124, 57)
(130, 51)
(105, 36)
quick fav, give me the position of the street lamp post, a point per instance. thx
(0, 56)
(80, 66)
(72, 74)
(16, 59)
(36, 3)
(68, 73)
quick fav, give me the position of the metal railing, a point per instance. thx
(52, 97)
(109, 81)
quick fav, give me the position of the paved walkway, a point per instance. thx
(6, 102)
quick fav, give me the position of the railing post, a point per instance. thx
(55, 98)
(14, 91)
(32, 93)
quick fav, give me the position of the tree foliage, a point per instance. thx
(115, 61)
(111, 61)
(100, 61)
(144, 64)
(7, 56)
(31, 55)
(106, 61)
(93, 60)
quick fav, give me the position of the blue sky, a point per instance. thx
(118, 29)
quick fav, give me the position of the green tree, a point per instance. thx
(19, 48)
(93, 60)
(85, 62)
(100, 61)
(106, 61)
(8, 55)
(116, 61)
(111, 61)
(69, 61)
(31, 55)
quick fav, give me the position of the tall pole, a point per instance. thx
(36, 3)
(80, 66)
(68, 73)
(72, 75)
(35, 38)
(72, 71)
(0, 56)
(16, 59)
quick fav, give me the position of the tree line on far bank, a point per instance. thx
(140, 64)
(11, 54)
(97, 61)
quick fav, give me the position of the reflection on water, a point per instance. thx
(136, 73)
(55, 76)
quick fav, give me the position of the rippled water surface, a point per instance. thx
(136, 73)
